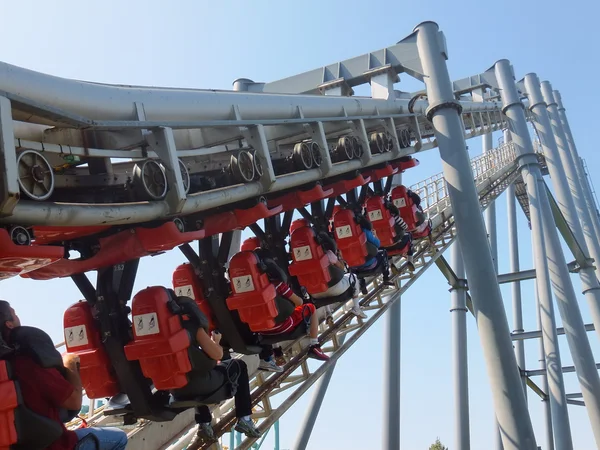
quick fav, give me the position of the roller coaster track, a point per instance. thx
(274, 393)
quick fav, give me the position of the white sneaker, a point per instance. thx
(269, 366)
(358, 312)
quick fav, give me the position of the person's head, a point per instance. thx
(8, 318)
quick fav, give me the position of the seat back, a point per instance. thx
(160, 340)
(21, 428)
(82, 337)
(382, 220)
(310, 263)
(350, 238)
(408, 209)
(187, 284)
(252, 294)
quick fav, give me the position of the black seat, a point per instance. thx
(298, 332)
(343, 297)
(222, 394)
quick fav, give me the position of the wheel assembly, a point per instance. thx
(20, 236)
(35, 175)
(185, 176)
(150, 180)
(315, 149)
(258, 169)
(242, 167)
(302, 156)
(376, 143)
(344, 148)
(389, 143)
(404, 138)
(357, 148)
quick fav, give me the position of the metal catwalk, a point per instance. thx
(87, 167)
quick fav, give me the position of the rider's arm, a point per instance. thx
(285, 291)
(210, 347)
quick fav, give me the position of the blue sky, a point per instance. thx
(197, 44)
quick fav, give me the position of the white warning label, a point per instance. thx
(400, 202)
(185, 291)
(375, 215)
(344, 231)
(76, 336)
(243, 284)
(302, 253)
(146, 324)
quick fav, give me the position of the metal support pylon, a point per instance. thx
(460, 363)
(552, 139)
(556, 265)
(509, 400)
(573, 158)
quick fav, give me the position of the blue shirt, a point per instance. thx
(371, 262)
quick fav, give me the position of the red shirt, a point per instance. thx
(43, 391)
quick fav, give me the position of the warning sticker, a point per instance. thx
(76, 336)
(185, 291)
(243, 284)
(343, 231)
(375, 215)
(400, 202)
(302, 253)
(146, 324)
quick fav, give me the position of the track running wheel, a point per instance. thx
(150, 180)
(35, 175)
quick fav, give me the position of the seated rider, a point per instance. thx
(403, 236)
(421, 218)
(293, 312)
(205, 383)
(347, 281)
(46, 392)
(372, 261)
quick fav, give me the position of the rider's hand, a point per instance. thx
(70, 360)
(216, 337)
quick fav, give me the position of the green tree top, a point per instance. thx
(437, 445)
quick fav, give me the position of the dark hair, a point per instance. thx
(5, 315)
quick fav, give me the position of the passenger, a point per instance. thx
(348, 281)
(403, 236)
(299, 311)
(45, 392)
(231, 371)
(373, 261)
(266, 359)
(421, 218)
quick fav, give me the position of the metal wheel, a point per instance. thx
(345, 148)
(242, 167)
(179, 224)
(36, 177)
(302, 156)
(20, 236)
(315, 149)
(389, 143)
(185, 175)
(150, 180)
(376, 143)
(258, 169)
(357, 148)
(404, 138)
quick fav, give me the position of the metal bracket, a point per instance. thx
(361, 131)
(163, 143)
(9, 184)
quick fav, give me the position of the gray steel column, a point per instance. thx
(391, 393)
(556, 386)
(562, 178)
(490, 212)
(580, 220)
(492, 325)
(561, 281)
(573, 150)
(513, 253)
(534, 183)
(314, 407)
(460, 362)
(544, 383)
